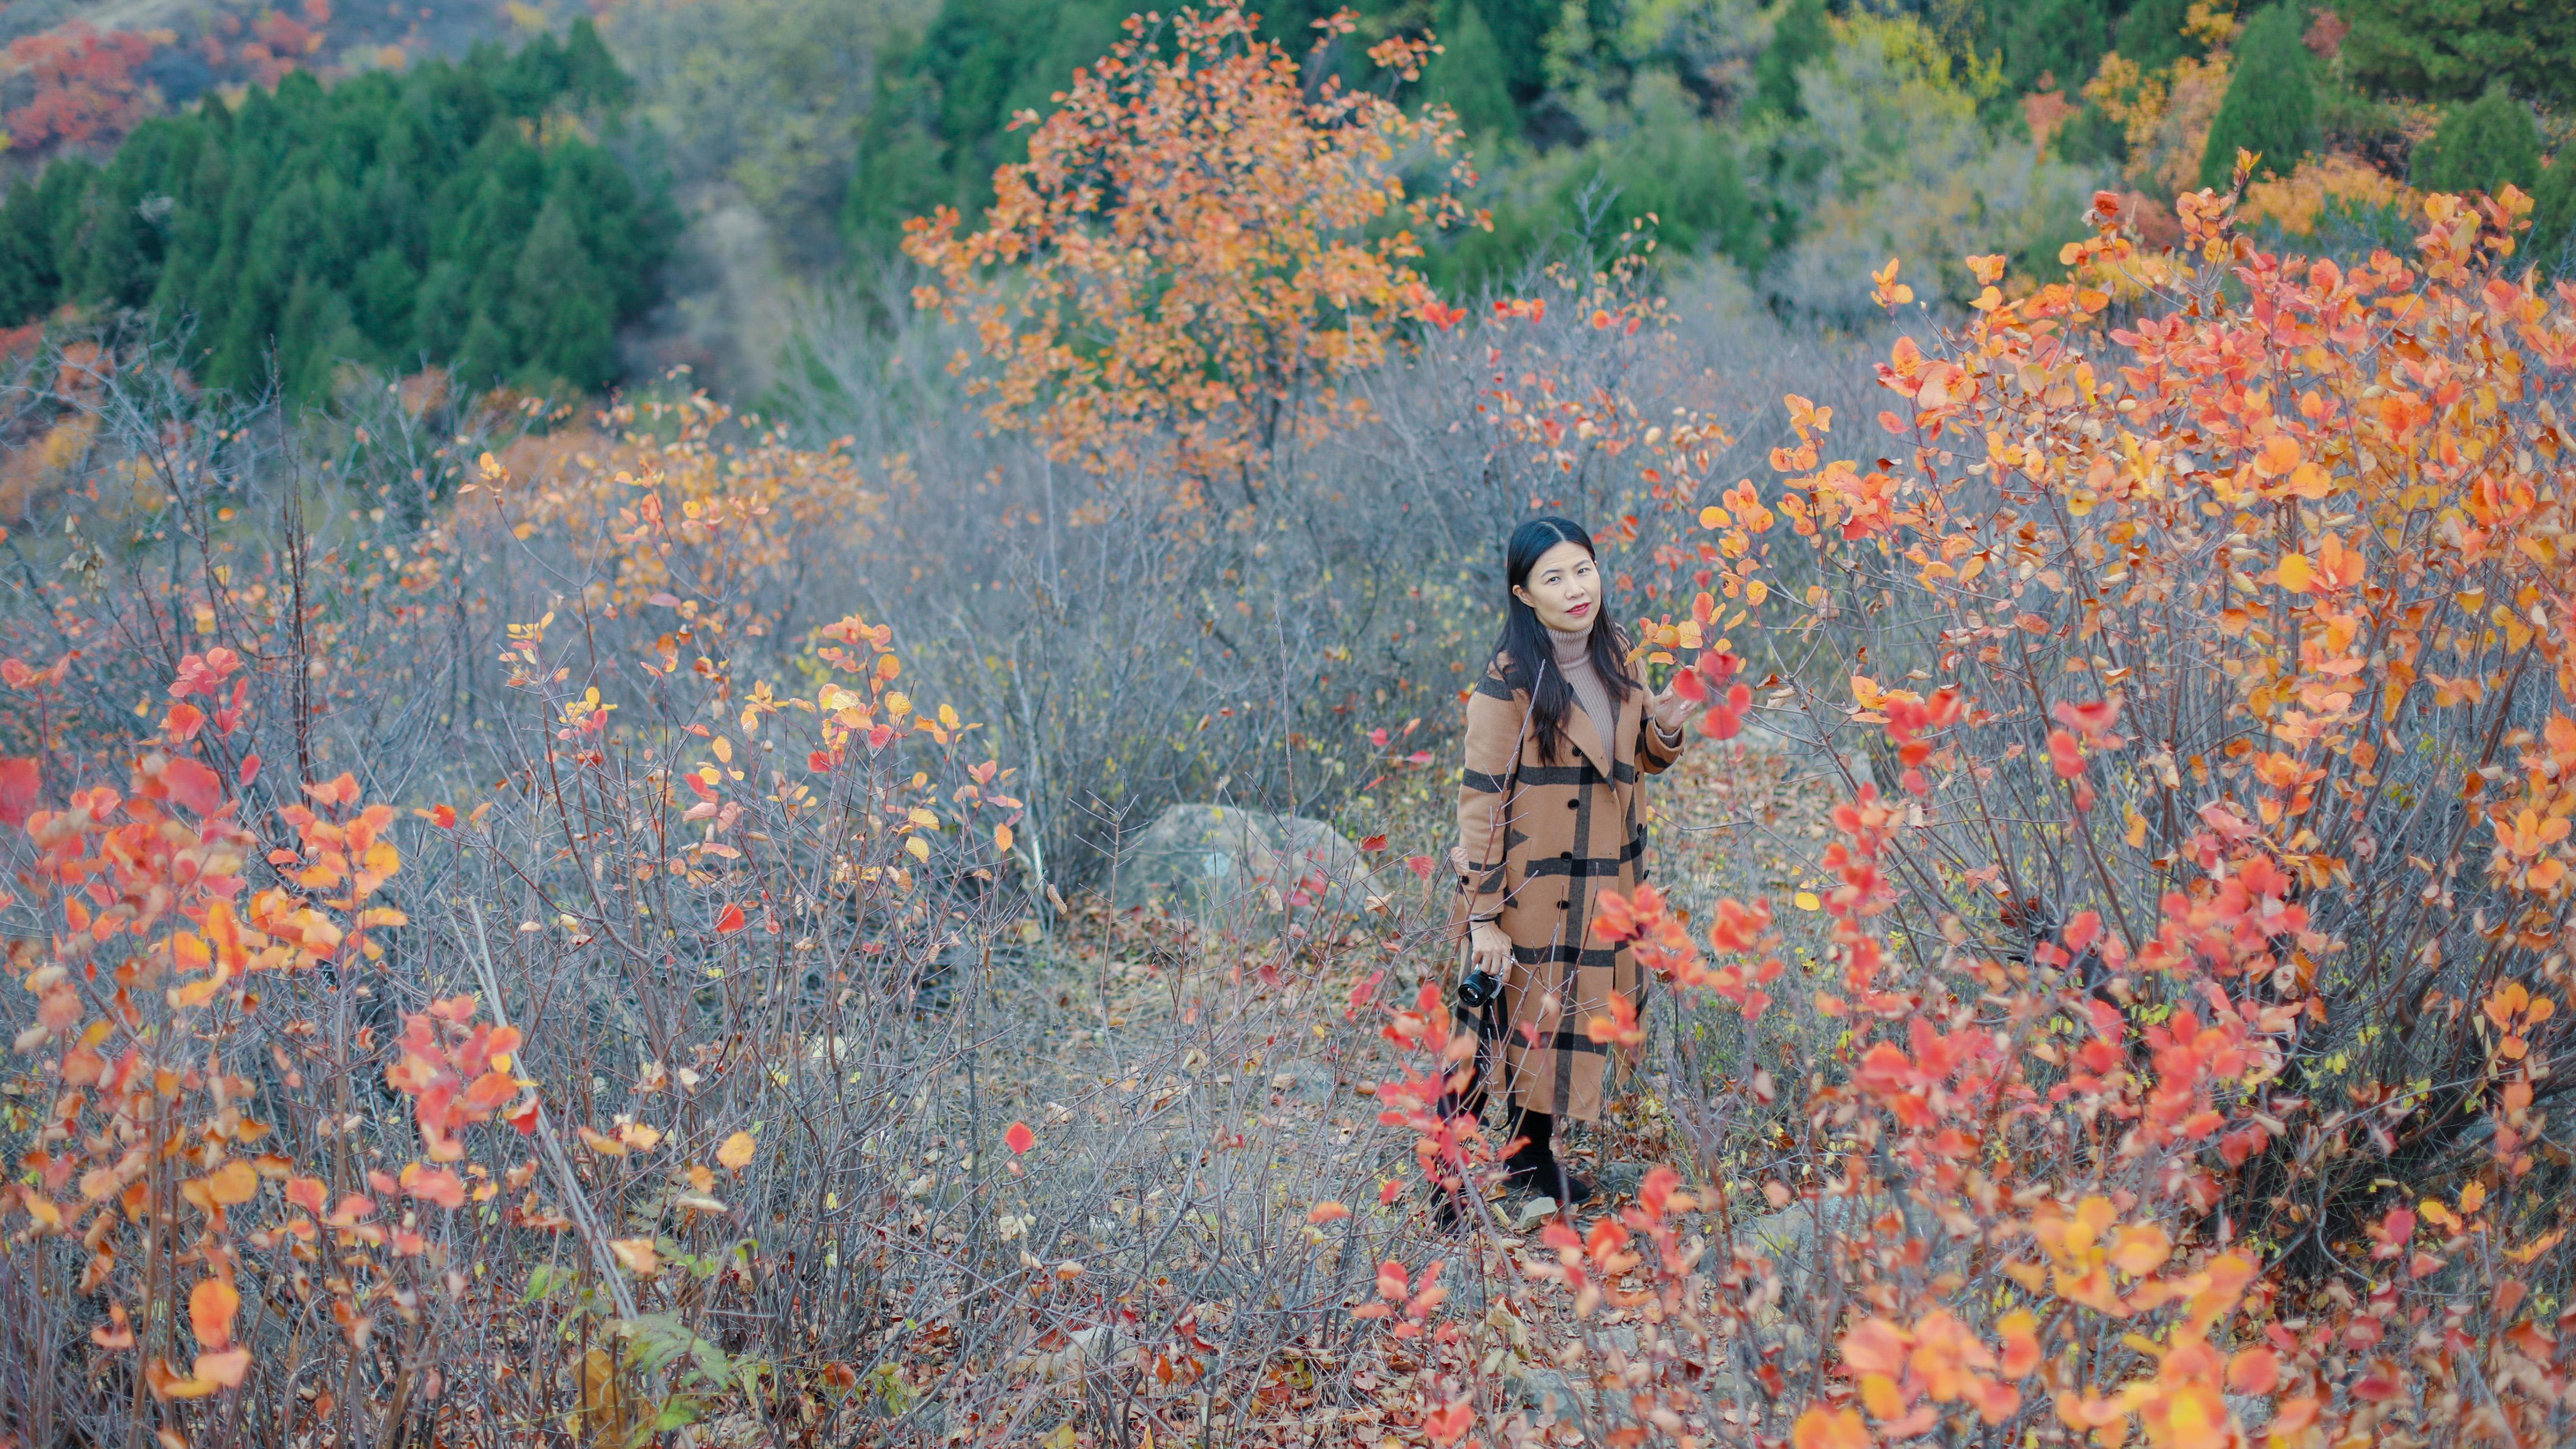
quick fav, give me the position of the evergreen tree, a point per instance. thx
(2551, 243)
(2151, 33)
(2056, 40)
(382, 219)
(2455, 49)
(1470, 73)
(2271, 100)
(2480, 147)
(1800, 37)
(559, 310)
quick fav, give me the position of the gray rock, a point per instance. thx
(1621, 1179)
(1548, 1394)
(1305, 1081)
(1222, 862)
(1788, 1238)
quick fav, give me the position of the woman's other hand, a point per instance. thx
(1489, 950)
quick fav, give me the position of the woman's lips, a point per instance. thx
(1578, 610)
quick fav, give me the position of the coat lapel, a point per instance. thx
(1578, 728)
(1604, 754)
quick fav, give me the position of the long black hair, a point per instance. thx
(1526, 651)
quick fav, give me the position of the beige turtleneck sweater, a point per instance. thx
(1574, 661)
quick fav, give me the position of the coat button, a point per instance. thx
(1565, 855)
(1565, 905)
(1573, 804)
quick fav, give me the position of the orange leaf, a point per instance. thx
(730, 922)
(1020, 1138)
(211, 1306)
(1830, 1429)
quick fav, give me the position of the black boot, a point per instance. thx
(1532, 1166)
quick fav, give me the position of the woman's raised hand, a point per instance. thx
(1671, 710)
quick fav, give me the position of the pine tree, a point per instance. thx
(2551, 242)
(2151, 33)
(2056, 40)
(370, 222)
(2271, 101)
(2455, 49)
(2480, 147)
(559, 308)
(1470, 72)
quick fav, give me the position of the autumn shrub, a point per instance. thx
(2192, 933)
(537, 975)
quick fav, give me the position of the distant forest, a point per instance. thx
(527, 215)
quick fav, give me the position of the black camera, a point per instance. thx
(1477, 990)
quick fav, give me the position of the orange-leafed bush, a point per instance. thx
(84, 88)
(1196, 251)
(2172, 1054)
(665, 502)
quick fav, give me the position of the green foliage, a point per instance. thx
(2455, 49)
(2271, 101)
(2056, 41)
(1895, 160)
(1799, 38)
(454, 213)
(2551, 241)
(2091, 137)
(764, 100)
(2480, 147)
(1670, 169)
(2151, 33)
(940, 123)
(1471, 74)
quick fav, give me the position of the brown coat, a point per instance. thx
(1537, 848)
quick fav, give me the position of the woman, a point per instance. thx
(1551, 813)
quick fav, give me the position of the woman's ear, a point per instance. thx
(1522, 594)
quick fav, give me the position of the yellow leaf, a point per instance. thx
(638, 1255)
(917, 848)
(234, 1183)
(1002, 839)
(1807, 901)
(2297, 574)
(735, 1154)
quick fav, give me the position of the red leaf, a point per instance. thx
(1019, 1139)
(1419, 864)
(1374, 843)
(730, 922)
(195, 786)
(249, 770)
(19, 782)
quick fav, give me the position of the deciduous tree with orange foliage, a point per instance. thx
(1200, 248)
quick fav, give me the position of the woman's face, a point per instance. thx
(1564, 589)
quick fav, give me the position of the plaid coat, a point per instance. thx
(1537, 846)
